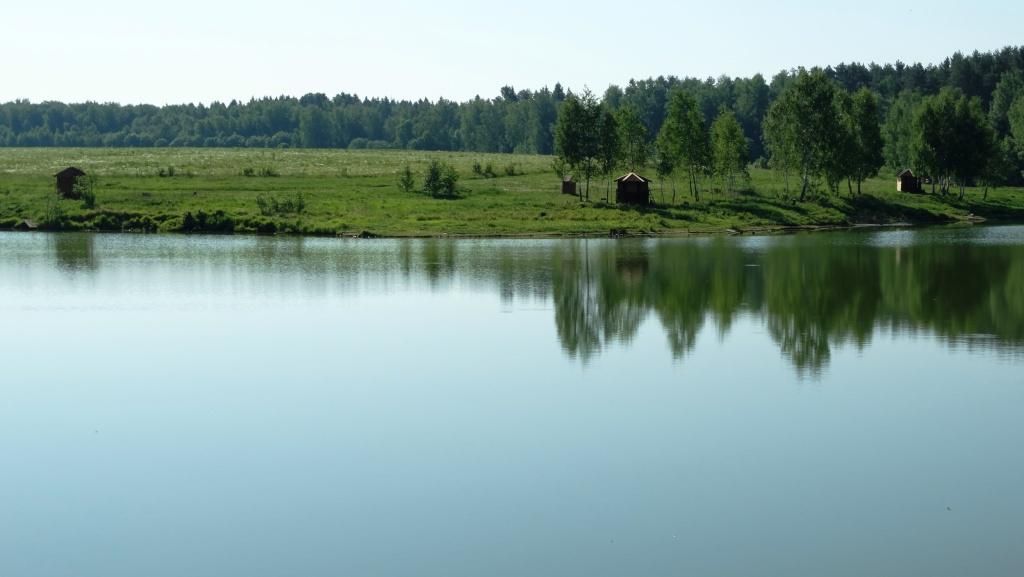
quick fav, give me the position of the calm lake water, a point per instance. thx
(841, 404)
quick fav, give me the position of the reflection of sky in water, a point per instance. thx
(212, 406)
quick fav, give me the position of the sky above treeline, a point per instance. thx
(201, 51)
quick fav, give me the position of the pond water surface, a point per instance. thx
(832, 404)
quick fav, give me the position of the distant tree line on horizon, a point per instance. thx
(918, 108)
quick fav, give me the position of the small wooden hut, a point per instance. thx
(633, 189)
(66, 180)
(569, 186)
(907, 182)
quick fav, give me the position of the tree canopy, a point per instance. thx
(953, 139)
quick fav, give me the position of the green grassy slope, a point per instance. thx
(348, 192)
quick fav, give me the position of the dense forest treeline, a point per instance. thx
(515, 121)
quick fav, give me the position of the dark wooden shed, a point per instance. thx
(907, 182)
(569, 186)
(633, 189)
(66, 180)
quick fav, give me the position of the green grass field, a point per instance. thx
(352, 192)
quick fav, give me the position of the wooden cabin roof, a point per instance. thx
(905, 172)
(71, 171)
(632, 177)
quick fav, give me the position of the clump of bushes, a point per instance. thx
(171, 172)
(122, 221)
(89, 200)
(271, 206)
(139, 224)
(441, 180)
(266, 227)
(265, 171)
(218, 221)
(406, 180)
(486, 170)
(85, 189)
(54, 218)
(365, 144)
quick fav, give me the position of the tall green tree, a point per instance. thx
(975, 141)
(633, 138)
(931, 134)
(683, 137)
(752, 100)
(610, 147)
(578, 137)
(728, 149)
(1010, 87)
(953, 138)
(898, 132)
(1015, 119)
(1002, 167)
(866, 137)
(780, 140)
(316, 128)
(664, 167)
(842, 150)
(570, 133)
(803, 126)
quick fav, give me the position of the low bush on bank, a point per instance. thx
(485, 170)
(441, 180)
(122, 222)
(265, 172)
(218, 222)
(272, 206)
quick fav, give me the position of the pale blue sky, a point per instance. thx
(196, 51)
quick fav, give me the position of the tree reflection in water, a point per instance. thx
(811, 294)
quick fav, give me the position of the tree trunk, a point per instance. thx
(849, 185)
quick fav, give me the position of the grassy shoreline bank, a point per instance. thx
(356, 193)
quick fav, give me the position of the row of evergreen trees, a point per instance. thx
(513, 122)
(980, 85)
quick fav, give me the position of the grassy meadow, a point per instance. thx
(340, 192)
